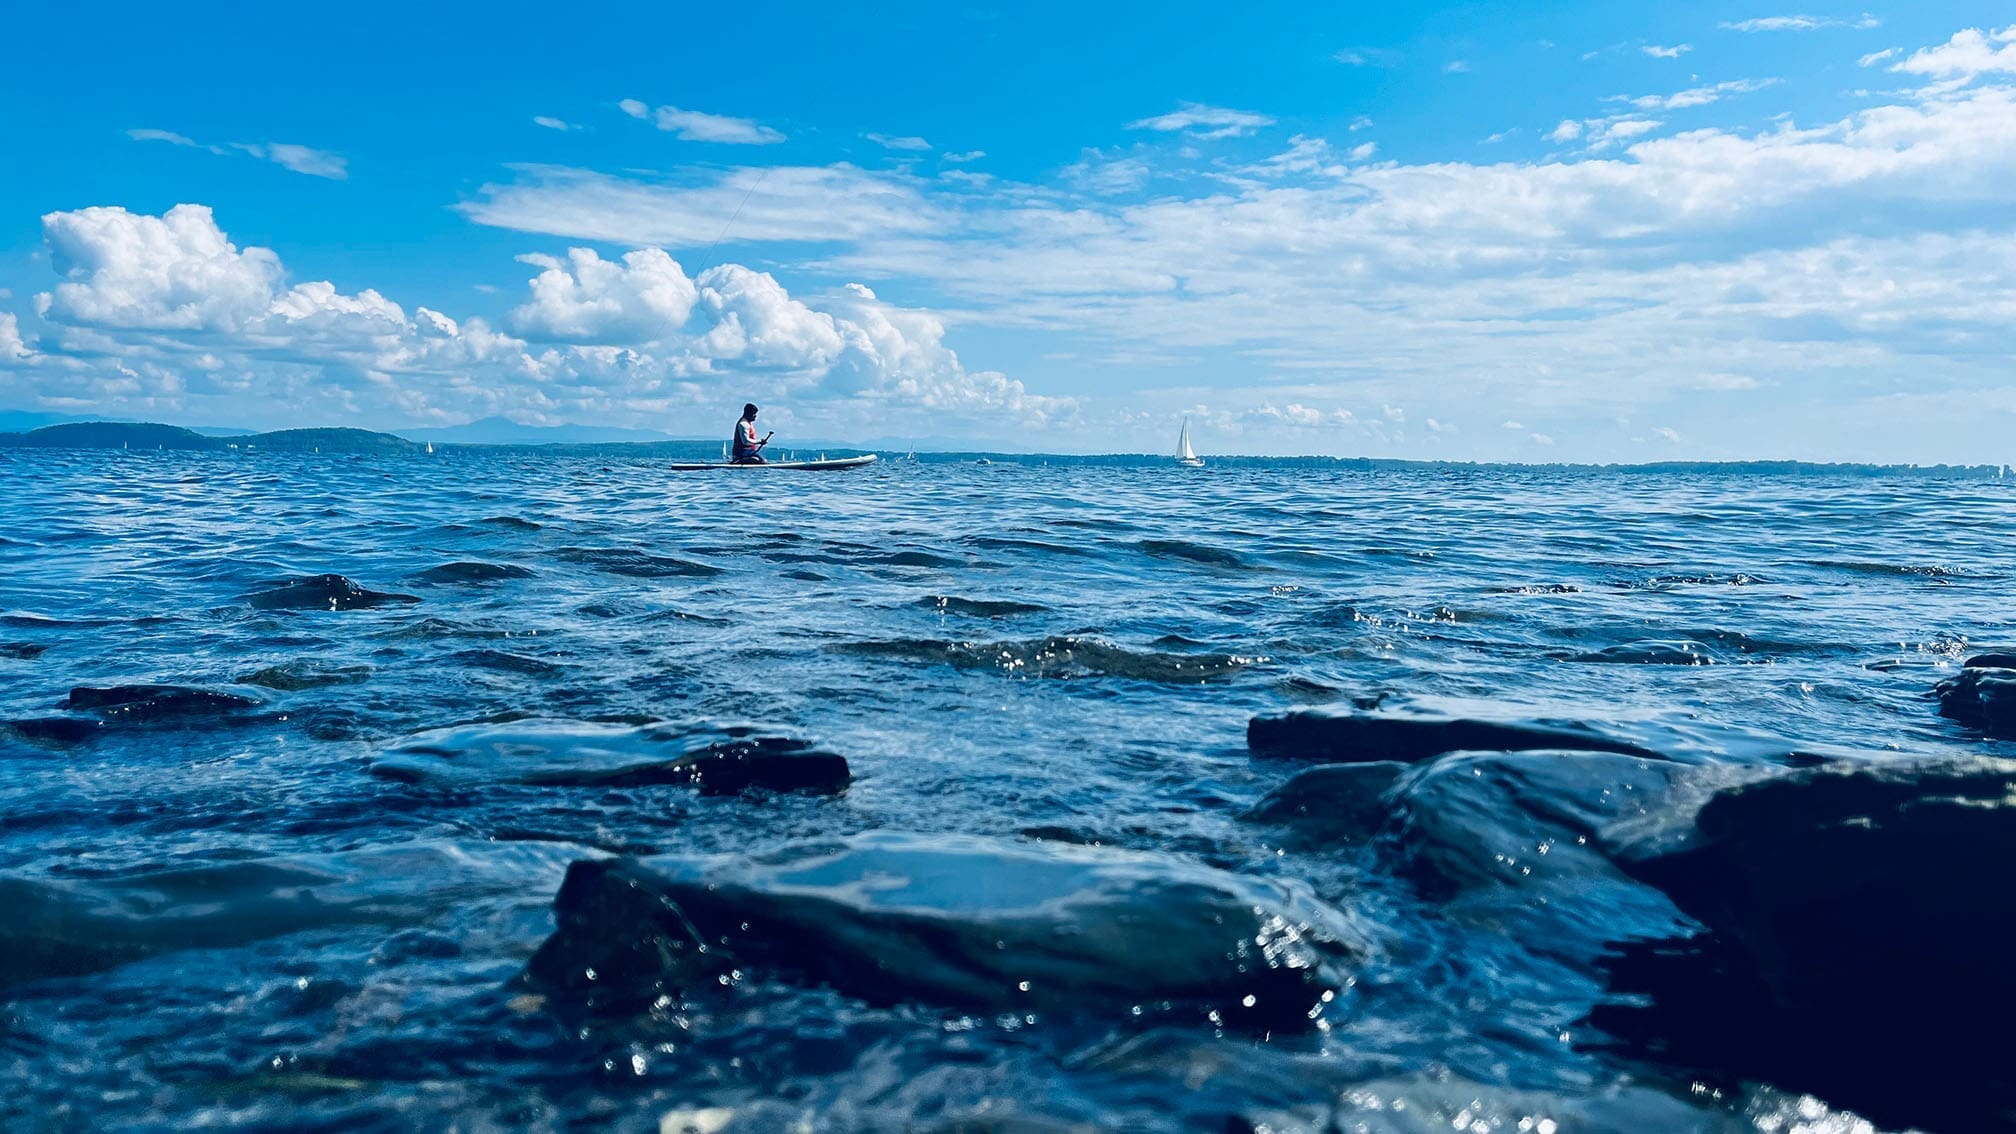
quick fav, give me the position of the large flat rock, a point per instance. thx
(959, 922)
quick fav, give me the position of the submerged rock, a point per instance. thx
(1854, 946)
(57, 928)
(323, 592)
(1332, 804)
(717, 761)
(1350, 738)
(1983, 695)
(958, 922)
(153, 703)
(472, 571)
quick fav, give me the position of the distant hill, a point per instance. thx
(111, 435)
(504, 431)
(148, 435)
(328, 441)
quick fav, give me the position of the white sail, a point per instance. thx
(1183, 450)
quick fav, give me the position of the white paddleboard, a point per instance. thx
(807, 466)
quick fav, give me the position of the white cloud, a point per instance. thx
(898, 143)
(1967, 56)
(300, 159)
(1875, 57)
(1362, 122)
(1512, 425)
(1671, 436)
(1799, 23)
(12, 347)
(777, 203)
(698, 126)
(1364, 151)
(167, 312)
(645, 297)
(1541, 439)
(1200, 121)
(172, 272)
(1367, 57)
(1456, 67)
(960, 158)
(552, 123)
(1567, 131)
(1696, 96)
(1673, 52)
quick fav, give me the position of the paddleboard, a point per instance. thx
(807, 466)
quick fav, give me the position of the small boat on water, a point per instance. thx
(821, 465)
(1185, 455)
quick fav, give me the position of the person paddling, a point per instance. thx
(748, 450)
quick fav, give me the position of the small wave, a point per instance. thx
(22, 651)
(472, 571)
(297, 676)
(512, 523)
(978, 608)
(1904, 570)
(24, 621)
(1536, 589)
(506, 662)
(1002, 543)
(430, 628)
(1194, 552)
(915, 559)
(1669, 582)
(1650, 653)
(1060, 657)
(636, 564)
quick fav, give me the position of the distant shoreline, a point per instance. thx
(151, 436)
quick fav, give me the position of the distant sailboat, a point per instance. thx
(1185, 455)
(430, 446)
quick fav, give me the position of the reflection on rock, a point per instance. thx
(958, 922)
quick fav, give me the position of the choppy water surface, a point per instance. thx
(293, 910)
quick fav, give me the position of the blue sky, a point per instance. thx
(1562, 232)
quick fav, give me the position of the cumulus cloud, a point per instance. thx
(169, 311)
(1567, 131)
(1200, 121)
(643, 297)
(12, 347)
(698, 126)
(1967, 56)
(1673, 52)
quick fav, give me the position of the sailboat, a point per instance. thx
(1185, 455)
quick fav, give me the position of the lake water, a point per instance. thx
(300, 889)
